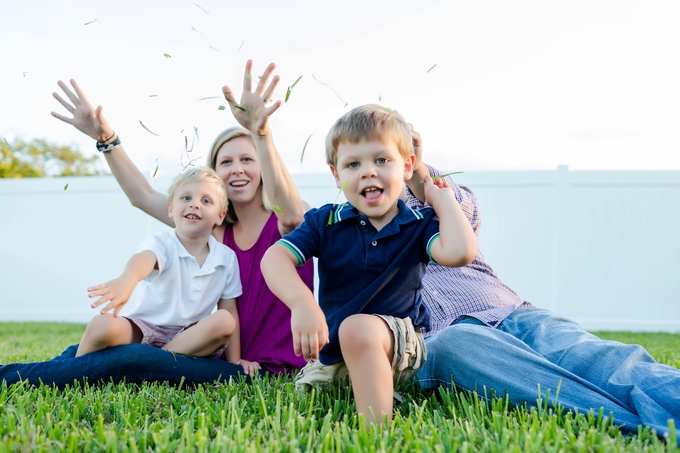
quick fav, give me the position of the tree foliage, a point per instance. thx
(38, 158)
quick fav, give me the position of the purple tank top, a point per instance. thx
(265, 320)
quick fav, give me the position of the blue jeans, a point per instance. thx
(133, 363)
(535, 346)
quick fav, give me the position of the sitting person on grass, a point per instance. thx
(372, 255)
(175, 282)
(485, 337)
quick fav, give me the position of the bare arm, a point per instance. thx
(91, 122)
(233, 350)
(457, 242)
(117, 291)
(308, 323)
(254, 114)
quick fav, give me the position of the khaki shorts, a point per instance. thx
(409, 357)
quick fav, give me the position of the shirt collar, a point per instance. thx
(346, 211)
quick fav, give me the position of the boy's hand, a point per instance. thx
(438, 193)
(250, 368)
(252, 111)
(310, 331)
(86, 119)
(116, 292)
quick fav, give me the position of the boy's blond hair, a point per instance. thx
(200, 174)
(367, 123)
(222, 138)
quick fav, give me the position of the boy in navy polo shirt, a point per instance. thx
(372, 255)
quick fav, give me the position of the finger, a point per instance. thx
(270, 89)
(229, 96)
(66, 105)
(67, 91)
(247, 77)
(314, 346)
(63, 118)
(304, 345)
(296, 344)
(268, 111)
(264, 80)
(79, 92)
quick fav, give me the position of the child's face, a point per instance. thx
(371, 175)
(195, 209)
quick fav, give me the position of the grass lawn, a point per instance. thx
(270, 415)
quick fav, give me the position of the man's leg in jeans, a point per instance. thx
(627, 372)
(478, 357)
(134, 363)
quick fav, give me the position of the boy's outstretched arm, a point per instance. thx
(457, 243)
(233, 349)
(308, 323)
(117, 291)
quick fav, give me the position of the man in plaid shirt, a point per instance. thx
(485, 337)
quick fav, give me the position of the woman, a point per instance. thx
(257, 184)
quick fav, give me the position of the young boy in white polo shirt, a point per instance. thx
(175, 281)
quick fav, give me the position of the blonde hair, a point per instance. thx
(222, 138)
(366, 123)
(200, 174)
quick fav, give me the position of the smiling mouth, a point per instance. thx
(371, 193)
(238, 183)
(192, 217)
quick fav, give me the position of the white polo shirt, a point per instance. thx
(180, 292)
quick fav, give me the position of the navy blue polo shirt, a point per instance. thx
(363, 270)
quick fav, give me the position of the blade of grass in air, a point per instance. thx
(153, 95)
(442, 176)
(276, 209)
(221, 107)
(66, 186)
(236, 106)
(431, 68)
(92, 21)
(290, 88)
(154, 172)
(332, 89)
(194, 29)
(208, 97)
(239, 47)
(340, 191)
(207, 12)
(305, 147)
(147, 129)
(213, 48)
(167, 55)
(6, 143)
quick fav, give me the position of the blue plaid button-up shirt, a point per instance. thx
(475, 290)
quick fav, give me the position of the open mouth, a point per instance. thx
(371, 193)
(192, 217)
(238, 183)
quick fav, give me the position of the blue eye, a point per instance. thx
(353, 165)
(186, 198)
(381, 160)
(205, 201)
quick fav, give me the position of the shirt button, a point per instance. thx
(362, 223)
(374, 243)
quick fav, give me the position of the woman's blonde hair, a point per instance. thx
(222, 138)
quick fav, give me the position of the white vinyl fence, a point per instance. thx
(602, 248)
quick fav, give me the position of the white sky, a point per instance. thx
(517, 84)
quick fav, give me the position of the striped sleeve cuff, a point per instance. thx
(296, 251)
(429, 247)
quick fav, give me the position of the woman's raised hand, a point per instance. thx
(252, 111)
(86, 119)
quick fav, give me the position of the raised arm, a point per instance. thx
(307, 321)
(92, 123)
(253, 113)
(457, 242)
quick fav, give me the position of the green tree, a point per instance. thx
(39, 158)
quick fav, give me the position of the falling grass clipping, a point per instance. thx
(442, 176)
(147, 129)
(290, 88)
(305, 147)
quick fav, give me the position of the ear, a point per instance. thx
(336, 176)
(220, 219)
(409, 166)
(170, 210)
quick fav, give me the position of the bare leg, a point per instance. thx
(367, 347)
(107, 331)
(206, 336)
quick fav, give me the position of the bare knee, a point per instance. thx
(103, 327)
(358, 333)
(220, 325)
